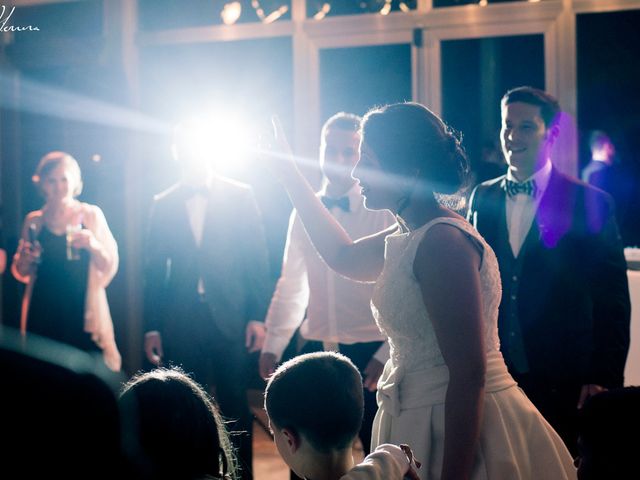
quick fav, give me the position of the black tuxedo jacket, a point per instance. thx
(232, 260)
(573, 302)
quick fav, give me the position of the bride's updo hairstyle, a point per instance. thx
(410, 140)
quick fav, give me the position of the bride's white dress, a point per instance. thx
(515, 440)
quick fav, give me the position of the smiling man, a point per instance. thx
(564, 314)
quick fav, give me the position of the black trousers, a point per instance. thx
(220, 364)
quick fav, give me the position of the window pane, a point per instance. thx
(356, 79)
(608, 49)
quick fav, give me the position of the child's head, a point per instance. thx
(315, 400)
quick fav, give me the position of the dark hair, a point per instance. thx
(598, 138)
(408, 138)
(319, 396)
(342, 121)
(180, 431)
(607, 423)
(50, 162)
(549, 106)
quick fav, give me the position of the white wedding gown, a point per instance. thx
(515, 442)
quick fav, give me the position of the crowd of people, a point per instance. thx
(475, 341)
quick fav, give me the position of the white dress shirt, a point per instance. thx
(196, 209)
(521, 208)
(338, 309)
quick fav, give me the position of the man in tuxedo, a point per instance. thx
(333, 313)
(565, 310)
(207, 281)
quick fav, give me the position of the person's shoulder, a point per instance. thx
(491, 183)
(89, 210)
(485, 188)
(584, 189)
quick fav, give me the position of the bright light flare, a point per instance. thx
(231, 12)
(222, 141)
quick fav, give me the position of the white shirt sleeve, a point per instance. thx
(291, 296)
(387, 462)
(382, 355)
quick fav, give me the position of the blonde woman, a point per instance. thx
(67, 256)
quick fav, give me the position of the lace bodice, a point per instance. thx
(399, 309)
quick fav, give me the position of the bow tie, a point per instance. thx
(342, 202)
(528, 188)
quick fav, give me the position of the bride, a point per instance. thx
(445, 390)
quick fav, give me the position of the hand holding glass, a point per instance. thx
(72, 252)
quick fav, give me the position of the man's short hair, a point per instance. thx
(598, 138)
(342, 121)
(318, 396)
(549, 106)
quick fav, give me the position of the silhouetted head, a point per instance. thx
(406, 148)
(180, 431)
(340, 140)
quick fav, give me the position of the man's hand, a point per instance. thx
(153, 347)
(587, 391)
(278, 155)
(372, 374)
(267, 364)
(254, 336)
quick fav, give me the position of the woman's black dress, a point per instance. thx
(56, 310)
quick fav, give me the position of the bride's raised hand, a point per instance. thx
(278, 152)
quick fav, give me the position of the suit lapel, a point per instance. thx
(496, 232)
(182, 221)
(553, 217)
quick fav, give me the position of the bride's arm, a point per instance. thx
(361, 259)
(447, 268)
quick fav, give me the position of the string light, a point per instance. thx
(273, 16)
(276, 14)
(386, 8)
(231, 13)
(322, 12)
